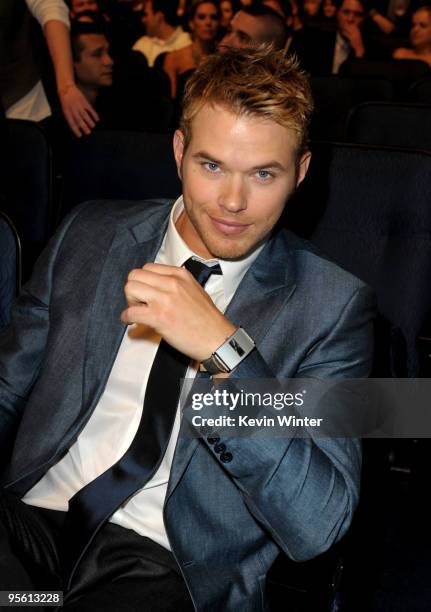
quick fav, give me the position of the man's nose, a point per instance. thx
(233, 197)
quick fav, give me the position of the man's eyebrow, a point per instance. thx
(207, 156)
(273, 164)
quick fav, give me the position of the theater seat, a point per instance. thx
(368, 209)
(10, 267)
(391, 124)
(120, 164)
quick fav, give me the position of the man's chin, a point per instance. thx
(231, 251)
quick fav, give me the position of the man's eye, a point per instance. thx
(264, 174)
(211, 167)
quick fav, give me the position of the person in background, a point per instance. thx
(163, 34)
(420, 38)
(254, 25)
(82, 6)
(22, 92)
(91, 60)
(312, 7)
(204, 18)
(228, 8)
(323, 52)
(329, 9)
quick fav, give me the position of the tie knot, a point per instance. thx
(200, 271)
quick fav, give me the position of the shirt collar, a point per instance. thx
(172, 38)
(177, 253)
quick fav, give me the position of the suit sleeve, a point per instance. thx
(22, 343)
(302, 490)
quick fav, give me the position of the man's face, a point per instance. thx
(79, 6)
(351, 12)
(150, 19)
(245, 31)
(420, 33)
(237, 174)
(94, 67)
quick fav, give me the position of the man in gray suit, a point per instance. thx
(106, 494)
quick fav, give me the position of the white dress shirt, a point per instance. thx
(151, 46)
(115, 420)
(341, 52)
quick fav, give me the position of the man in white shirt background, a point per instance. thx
(163, 34)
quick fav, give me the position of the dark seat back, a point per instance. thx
(334, 96)
(10, 267)
(420, 91)
(369, 210)
(400, 72)
(391, 124)
(120, 164)
(29, 187)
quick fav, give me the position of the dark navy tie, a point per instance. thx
(92, 506)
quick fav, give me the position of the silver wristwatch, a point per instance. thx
(229, 354)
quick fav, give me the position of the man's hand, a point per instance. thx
(352, 33)
(79, 113)
(172, 302)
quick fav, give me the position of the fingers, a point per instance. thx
(72, 124)
(166, 270)
(87, 118)
(92, 113)
(155, 289)
(80, 115)
(145, 284)
(138, 296)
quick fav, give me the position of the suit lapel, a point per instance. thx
(266, 288)
(130, 248)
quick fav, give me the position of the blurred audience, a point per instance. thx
(322, 52)
(254, 25)
(163, 34)
(204, 18)
(420, 38)
(22, 92)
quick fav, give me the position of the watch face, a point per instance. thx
(237, 347)
(230, 353)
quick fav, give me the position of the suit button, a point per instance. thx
(204, 429)
(220, 448)
(226, 457)
(213, 438)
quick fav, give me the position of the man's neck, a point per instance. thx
(165, 31)
(89, 91)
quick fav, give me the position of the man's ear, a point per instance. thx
(304, 162)
(178, 149)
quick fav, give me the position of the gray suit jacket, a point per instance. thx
(226, 521)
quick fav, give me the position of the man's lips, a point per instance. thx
(229, 227)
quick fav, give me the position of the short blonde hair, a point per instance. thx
(258, 82)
